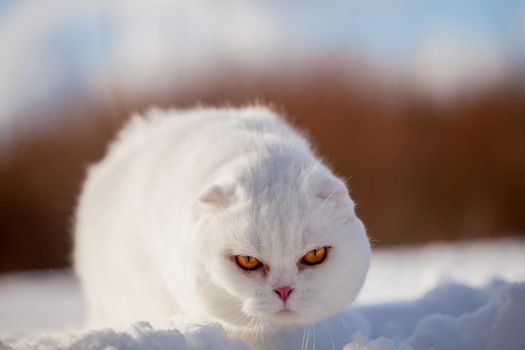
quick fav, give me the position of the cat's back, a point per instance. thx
(208, 128)
(183, 148)
(194, 143)
(189, 144)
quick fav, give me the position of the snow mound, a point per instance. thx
(499, 324)
(451, 317)
(140, 336)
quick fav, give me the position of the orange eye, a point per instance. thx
(248, 263)
(315, 256)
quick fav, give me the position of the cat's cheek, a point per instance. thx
(318, 277)
(322, 291)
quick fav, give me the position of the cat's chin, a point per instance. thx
(285, 312)
(286, 317)
(283, 317)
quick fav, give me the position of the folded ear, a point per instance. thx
(218, 196)
(330, 188)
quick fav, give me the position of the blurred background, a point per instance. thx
(420, 103)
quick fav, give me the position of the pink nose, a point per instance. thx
(283, 292)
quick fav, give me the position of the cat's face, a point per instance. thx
(288, 255)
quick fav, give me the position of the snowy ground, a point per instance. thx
(442, 296)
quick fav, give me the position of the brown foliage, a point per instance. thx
(419, 171)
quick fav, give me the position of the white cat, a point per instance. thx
(217, 215)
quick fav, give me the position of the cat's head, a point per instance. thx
(280, 249)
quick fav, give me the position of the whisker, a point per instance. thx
(307, 338)
(304, 336)
(313, 326)
(228, 307)
(331, 336)
(318, 212)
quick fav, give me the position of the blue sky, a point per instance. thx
(87, 40)
(394, 28)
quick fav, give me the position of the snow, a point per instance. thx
(139, 336)
(27, 300)
(407, 273)
(467, 296)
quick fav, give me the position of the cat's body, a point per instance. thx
(181, 195)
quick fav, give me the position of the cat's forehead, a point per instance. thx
(279, 229)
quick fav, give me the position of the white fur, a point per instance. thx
(181, 192)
